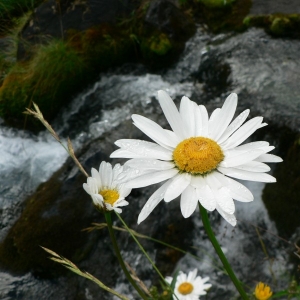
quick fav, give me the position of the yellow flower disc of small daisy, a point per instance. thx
(185, 288)
(197, 155)
(109, 196)
(262, 291)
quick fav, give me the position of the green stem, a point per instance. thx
(220, 253)
(118, 254)
(141, 247)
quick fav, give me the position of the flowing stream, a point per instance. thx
(265, 74)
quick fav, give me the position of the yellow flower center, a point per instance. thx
(110, 196)
(185, 288)
(197, 155)
(262, 291)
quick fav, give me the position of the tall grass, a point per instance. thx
(54, 71)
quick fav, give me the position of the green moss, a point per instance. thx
(55, 70)
(220, 15)
(281, 25)
(155, 45)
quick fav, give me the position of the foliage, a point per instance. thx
(12, 10)
(9, 8)
(276, 24)
(55, 70)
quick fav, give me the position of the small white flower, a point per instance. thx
(105, 189)
(196, 158)
(189, 287)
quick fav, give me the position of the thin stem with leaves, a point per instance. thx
(72, 267)
(119, 256)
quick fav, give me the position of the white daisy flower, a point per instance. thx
(189, 287)
(105, 189)
(197, 158)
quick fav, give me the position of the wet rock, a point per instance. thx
(266, 7)
(165, 16)
(53, 19)
(56, 213)
(214, 73)
(282, 199)
(263, 73)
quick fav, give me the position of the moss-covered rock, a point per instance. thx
(219, 15)
(55, 71)
(80, 44)
(279, 25)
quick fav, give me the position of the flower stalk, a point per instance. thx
(141, 247)
(118, 254)
(220, 253)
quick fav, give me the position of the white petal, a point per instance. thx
(149, 163)
(242, 133)
(169, 279)
(187, 115)
(177, 186)
(224, 200)
(239, 159)
(131, 174)
(221, 193)
(143, 149)
(96, 175)
(213, 119)
(154, 131)
(230, 218)
(87, 188)
(171, 113)
(121, 202)
(123, 190)
(92, 183)
(117, 169)
(106, 174)
(254, 166)
(263, 125)
(152, 202)
(121, 153)
(117, 209)
(204, 118)
(98, 199)
(198, 120)
(206, 198)
(237, 190)
(252, 146)
(237, 122)
(192, 275)
(224, 117)
(188, 201)
(267, 149)
(270, 158)
(198, 182)
(246, 175)
(151, 178)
